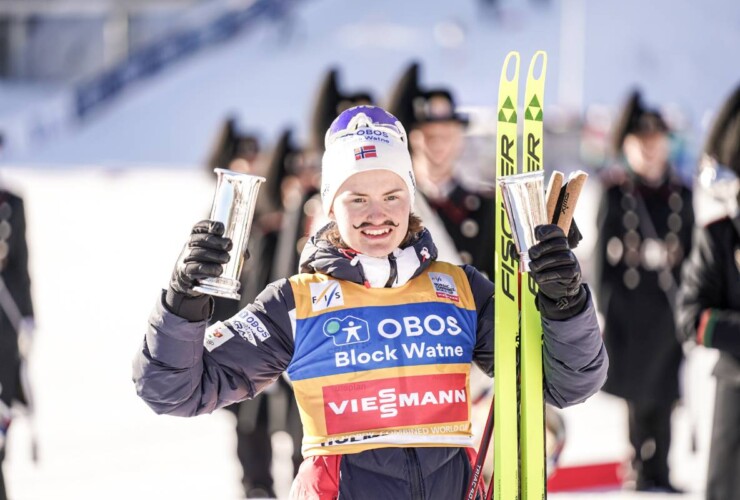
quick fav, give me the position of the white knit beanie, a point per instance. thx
(373, 139)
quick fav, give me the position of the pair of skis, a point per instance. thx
(518, 412)
(519, 433)
(517, 408)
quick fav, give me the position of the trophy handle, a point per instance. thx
(553, 193)
(573, 189)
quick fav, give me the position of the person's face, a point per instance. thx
(442, 143)
(647, 154)
(371, 210)
(241, 166)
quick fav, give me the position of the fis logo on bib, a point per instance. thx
(326, 295)
(444, 286)
(348, 330)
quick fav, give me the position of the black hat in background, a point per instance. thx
(231, 144)
(437, 105)
(324, 110)
(401, 101)
(225, 138)
(637, 119)
(351, 100)
(330, 102)
(723, 141)
(413, 105)
(280, 163)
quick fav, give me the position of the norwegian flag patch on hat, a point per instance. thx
(365, 152)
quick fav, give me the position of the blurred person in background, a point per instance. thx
(437, 139)
(373, 264)
(644, 225)
(273, 410)
(233, 149)
(16, 314)
(709, 305)
(330, 101)
(299, 189)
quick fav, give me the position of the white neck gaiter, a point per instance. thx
(377, 270)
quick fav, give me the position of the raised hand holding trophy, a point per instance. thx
(233, 205)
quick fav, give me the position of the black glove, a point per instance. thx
(203, 257)
(574, 235)
(555, 269)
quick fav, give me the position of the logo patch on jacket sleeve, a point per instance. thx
(249, 327)
(444, 286)
(216, 335)
(325, 295)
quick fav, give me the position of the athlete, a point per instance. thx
(376, 335)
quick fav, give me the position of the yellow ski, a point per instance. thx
(532, 416)
(506, 295)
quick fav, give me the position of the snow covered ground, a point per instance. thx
(103, 242)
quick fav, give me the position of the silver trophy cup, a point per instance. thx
(524, 201)
(233, 205)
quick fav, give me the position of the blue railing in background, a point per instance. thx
(152, 59)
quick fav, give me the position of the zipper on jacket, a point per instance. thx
(393, 274)
(416, 480)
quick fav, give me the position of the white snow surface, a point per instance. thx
(102, 246)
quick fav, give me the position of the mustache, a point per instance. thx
(367, 224)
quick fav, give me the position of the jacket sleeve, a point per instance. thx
(574, 358)
(703, 312)
(183, 369)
